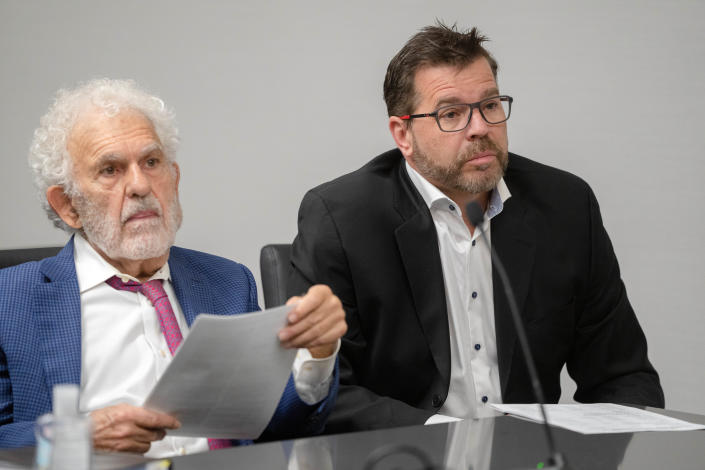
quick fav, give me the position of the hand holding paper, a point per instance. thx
(229, 374)
(316, 322)
(127, 428)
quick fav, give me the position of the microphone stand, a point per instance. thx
(476, 217)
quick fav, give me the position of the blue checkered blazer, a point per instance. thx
(40, 336)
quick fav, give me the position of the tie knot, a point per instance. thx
(117, 283)
(153, 290)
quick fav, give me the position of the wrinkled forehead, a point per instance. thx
(432, 79)
(97, 128)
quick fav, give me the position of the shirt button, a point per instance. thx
(477, 347)
(162, 352)
(473, 242)
(474, 295)
(484, 399)
(451, 207)
(182, 451)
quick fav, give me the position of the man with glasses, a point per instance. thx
(430, 331)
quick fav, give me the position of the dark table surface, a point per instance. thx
(493, 443)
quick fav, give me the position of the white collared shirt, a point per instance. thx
(123, 351)
(467, 275)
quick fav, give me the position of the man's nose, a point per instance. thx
(477, 127)
(138, 183)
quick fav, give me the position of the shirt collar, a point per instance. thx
(433, 196)
(92, 269)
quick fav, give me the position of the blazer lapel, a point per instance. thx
(192, 294)
(57, 305)
(514, 240)
(418, 244)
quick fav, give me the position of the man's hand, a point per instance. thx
(316, 323)
(128, 428)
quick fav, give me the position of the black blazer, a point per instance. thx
(370, 236)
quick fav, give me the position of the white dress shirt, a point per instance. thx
(467, 275)
(469, 445)
(123, 351)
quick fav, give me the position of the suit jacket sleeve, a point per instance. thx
(609, 360)
(294, 419)
(12, 434)
(23, 387)
(318, 257)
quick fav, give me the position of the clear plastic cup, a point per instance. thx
(63, 443)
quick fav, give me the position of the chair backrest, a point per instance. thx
(22, 255)
(274, 264)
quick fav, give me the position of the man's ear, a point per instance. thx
(63, 206)
(401, 133)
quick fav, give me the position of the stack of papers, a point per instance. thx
(599, 418)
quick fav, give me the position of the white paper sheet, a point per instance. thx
(227, 377)
(599, 418)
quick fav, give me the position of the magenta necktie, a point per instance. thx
(154, 291)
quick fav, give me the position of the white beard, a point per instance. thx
(140, 239)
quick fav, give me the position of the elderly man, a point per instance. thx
(430, 331)
(110, 309)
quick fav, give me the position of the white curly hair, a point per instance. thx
(49, 158)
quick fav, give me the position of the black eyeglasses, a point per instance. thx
(456, 117)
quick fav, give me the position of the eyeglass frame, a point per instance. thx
(475, 105)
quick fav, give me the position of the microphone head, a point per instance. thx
(474, 213)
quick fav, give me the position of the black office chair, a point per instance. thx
(274, 264)
(22, 255)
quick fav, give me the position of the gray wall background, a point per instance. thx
(273, 98)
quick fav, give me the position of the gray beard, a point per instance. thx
(451, 177)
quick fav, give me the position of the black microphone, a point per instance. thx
(476, 216)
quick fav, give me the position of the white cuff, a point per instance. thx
(313, 376)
